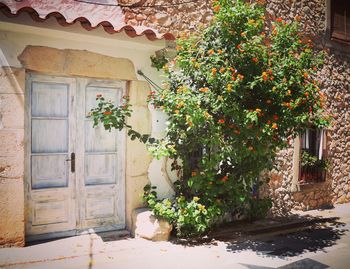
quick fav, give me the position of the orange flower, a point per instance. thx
(177, 111)
(221, 121)
(231, 126)
(181, 104)
(211, 52)
(279, 20)
(216, 8)
(305, 75)
(241, 77)
(213, 71)
(265, 76)
(224, 179)
(243, 34)
(306, 94)
(274, 126)
(204, 90)
(107, 113)
(297, 18)
(258, 110)
(222, 70)
(255, 60)
(219, 51)
(194, 173)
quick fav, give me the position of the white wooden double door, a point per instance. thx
(74, 172)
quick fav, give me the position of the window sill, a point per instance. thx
(336, 45)
(312, 186)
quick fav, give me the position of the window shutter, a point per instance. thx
(341, 20)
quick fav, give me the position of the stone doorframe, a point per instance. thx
(81, 63)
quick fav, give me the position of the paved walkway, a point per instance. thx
(318, 247)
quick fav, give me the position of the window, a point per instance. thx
(313, 162)
(340, 20)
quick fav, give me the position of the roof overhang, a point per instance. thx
(90, 16)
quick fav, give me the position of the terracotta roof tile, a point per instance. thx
(91, 16)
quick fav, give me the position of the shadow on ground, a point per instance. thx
(283, 245)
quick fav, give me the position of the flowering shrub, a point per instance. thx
(235, 94)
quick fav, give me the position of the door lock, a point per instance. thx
(72, 162)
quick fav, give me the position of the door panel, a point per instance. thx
(100, 169)
(49, 171)
(61, 200)
(49, 135)
(98, 139)
(50, 185)
(49, 99)
(103, 176)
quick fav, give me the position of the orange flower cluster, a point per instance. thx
(224, 179)
(221, 121)
(216, 8)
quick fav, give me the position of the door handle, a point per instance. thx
(72, 162)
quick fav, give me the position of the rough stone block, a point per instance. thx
(134, 191)
(70, 62)
(147, 226)
(12, 111)
(12, 80)
(11, 212)
(139, 91)
(12, 167)
(11, 142)
(138, 159)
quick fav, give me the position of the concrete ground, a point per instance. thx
(318, 246)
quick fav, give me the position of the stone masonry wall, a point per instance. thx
(11, 156)
(335, 83)
(168, 16)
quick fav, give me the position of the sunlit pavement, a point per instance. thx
(317, 247)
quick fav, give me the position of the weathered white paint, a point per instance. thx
(101, 166)
(92, 196)
(50, 187)
(16, 34)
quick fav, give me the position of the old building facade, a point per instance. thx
(42, 46)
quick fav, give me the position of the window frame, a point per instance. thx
(334, 44)
(324, 156)
(332, 14)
